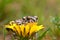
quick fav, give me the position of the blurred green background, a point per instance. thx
(48, 12)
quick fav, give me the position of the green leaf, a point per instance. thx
(4, 32)
(43, 34)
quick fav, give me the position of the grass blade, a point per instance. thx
(43, 34)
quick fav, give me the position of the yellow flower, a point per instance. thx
(24, 29)
(35, 28)
(27, 28)
(10, 26)
(13, 26)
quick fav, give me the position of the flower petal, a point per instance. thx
(22, 30)
(35, 28)
(27, 28)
